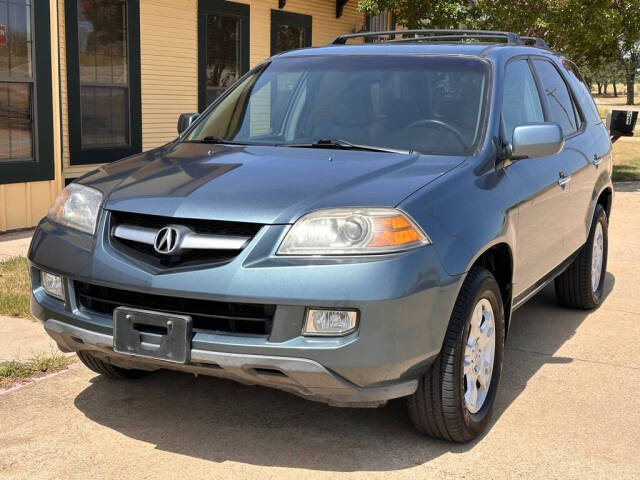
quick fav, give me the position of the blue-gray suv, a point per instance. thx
(350, 223)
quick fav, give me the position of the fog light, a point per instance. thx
(330, 322)
(52, 284)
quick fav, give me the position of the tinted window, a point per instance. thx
(561, 105)
(102, 42)
(521, 102)
(16, 86)
(582, 92)
(428, 104)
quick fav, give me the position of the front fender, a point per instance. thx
(465, 214)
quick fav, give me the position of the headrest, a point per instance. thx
(353, 107)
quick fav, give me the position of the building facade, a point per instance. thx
(86, 82)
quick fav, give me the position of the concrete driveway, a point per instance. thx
(568, 408)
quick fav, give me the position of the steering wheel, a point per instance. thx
(440, 124)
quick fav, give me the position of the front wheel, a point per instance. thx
(455, 398)
(582, 283)
(106, 369)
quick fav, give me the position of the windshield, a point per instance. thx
(430, 104)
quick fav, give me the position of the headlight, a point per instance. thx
(352, 231)
(77, 207)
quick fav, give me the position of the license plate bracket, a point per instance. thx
(145, 333)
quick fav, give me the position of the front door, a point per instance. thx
(223, 47)
(541, 212)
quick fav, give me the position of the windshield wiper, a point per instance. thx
(214, 139)
(344, 145)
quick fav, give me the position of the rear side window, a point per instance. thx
(561, 106)
(581, 90)
(521, 103)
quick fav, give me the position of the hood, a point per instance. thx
(260, 184)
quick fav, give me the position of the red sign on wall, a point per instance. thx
(3, 35)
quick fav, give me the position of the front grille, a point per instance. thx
(208, 316)
(186, 258)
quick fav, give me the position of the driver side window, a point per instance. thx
(521, 102)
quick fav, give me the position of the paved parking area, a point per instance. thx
(14, 244)
(568, 408)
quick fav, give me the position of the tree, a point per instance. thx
(628, 42)
(422, 13)
(590, 32)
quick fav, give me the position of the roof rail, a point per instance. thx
(434, 34)
(536, 42)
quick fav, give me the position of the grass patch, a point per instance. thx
(603, 111)
(15, 287)
(626, 160)
(14, 372)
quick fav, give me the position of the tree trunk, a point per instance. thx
(606, 86)
(599, 88)
(631, 80)
(615, 89)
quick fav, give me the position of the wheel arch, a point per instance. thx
(498, 259)
(605, 199)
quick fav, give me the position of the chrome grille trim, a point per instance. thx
(190, 240)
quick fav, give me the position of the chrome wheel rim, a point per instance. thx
(479, 355)
(597, 256)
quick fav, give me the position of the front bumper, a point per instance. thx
(404, 300)
(299, 376)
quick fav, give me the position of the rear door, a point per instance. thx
(599, 156)
(542, 211)
(579, 151)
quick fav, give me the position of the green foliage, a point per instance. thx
(421, 13)
(593, 33)
(14, 371)
(627, 14)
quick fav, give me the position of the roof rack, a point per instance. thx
(434, 34)
(536, 42)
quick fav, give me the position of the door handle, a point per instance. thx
(564, 179)
(596, 160)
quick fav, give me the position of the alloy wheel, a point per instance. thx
(597, 256)
(479, 356)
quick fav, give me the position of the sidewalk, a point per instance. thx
(22, 339)
(14, 244)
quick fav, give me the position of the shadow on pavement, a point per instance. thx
(220, 420)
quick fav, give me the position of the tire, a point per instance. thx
(106, 369)
(574, 287)
(438, 408)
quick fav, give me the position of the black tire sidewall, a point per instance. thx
(486, 287)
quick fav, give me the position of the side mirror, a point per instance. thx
(185, 120)
(537, 140)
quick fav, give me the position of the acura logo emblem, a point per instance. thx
(167, 240)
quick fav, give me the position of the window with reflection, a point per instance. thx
(104, 76)
(289, 37)
(223, 54)
(289, 31)
(16, 81)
